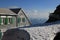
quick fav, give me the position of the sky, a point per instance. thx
(32, 8)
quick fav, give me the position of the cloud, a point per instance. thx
(35, 11)
(37, 14)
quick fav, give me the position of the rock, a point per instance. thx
(54, 16)
(16, 34)
(57, 37)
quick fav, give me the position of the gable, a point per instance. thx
(23, 15)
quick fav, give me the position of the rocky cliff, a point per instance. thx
(55, 16)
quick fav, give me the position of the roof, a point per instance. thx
(6, 11)
(11, 11)
(16, 10)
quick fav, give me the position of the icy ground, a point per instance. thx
(44, 32)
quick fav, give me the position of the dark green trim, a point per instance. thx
(6, 21)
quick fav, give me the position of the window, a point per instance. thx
(0, 20)
(6, 20)
(23, 19)
(19, 20)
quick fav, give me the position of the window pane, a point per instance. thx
(23, 19)
(0, 20)
(11, 20)
(19, 19)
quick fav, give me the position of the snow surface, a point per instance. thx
(43, 33)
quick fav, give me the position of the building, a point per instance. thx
(12, 18)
